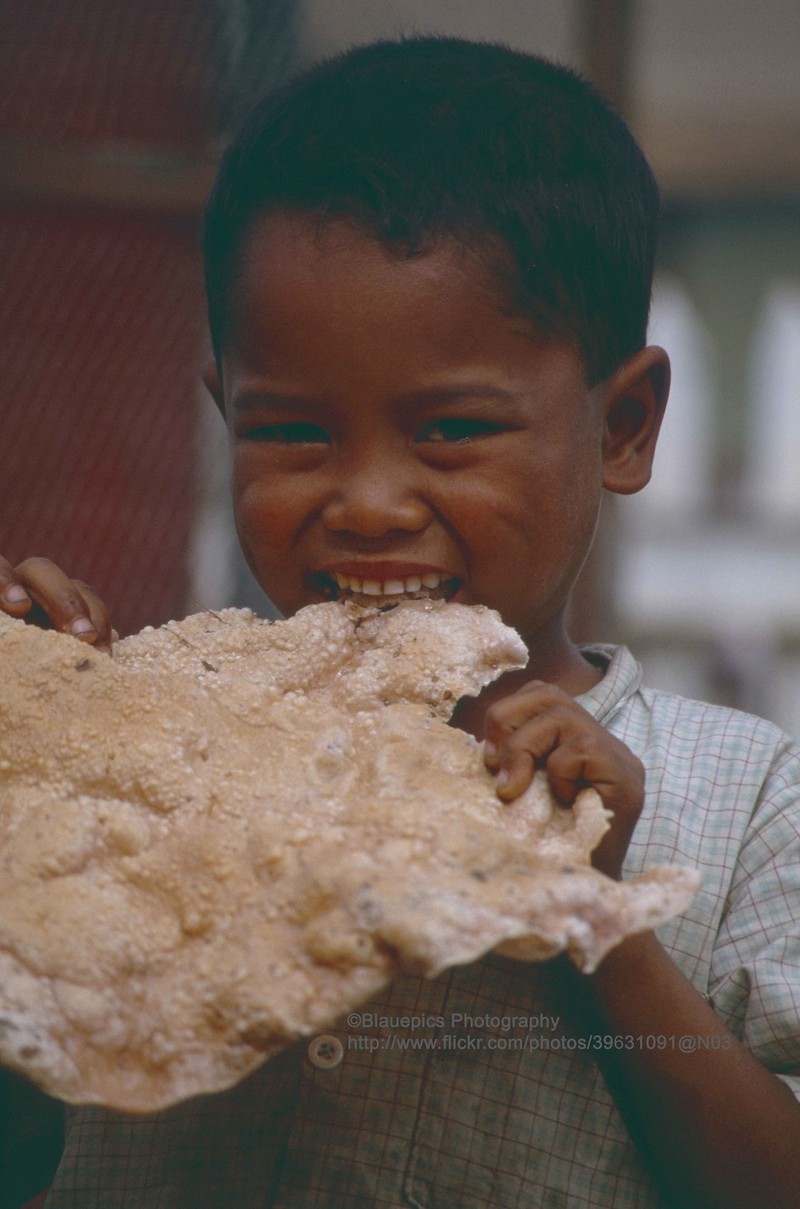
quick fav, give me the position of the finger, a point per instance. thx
(540, 733)
(573, 766)
(557, 740)
(522, 736)
(506, 716)
(13, 597)
(60, 598)
(515, 775)
(98, 615)
(524, 750)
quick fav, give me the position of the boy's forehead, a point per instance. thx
(318, 254)
(438, 309)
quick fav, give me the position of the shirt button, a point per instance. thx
(325, 1052)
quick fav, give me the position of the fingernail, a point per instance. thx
(489, 750)
(501, 780)
(81, 626)
(16, 594)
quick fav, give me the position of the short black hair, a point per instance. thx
(425, 139)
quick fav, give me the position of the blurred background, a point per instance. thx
(112, 461)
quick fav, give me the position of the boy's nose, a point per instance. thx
(374, 500)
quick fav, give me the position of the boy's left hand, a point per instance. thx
(540, 726)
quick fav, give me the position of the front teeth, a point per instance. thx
(390, 587)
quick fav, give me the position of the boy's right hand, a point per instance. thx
(541, 726)
(41, 593)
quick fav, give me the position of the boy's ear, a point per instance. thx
(213, 384)
(635, 399)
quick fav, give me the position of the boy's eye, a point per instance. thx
(296, 433)
(457, 430)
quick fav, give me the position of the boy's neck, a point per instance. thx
(570, 672)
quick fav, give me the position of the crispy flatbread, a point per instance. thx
(235, 831)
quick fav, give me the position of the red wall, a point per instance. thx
(101, 315)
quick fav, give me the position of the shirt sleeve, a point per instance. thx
(755, 970)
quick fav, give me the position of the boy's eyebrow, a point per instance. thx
(251, 400)
(458, 390)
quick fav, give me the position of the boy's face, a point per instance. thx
(396, 431)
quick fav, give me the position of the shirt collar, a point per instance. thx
(622, 678)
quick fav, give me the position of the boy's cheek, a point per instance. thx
(262, 504)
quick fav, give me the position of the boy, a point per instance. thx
(428, 269)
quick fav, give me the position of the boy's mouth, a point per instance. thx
(369, 590)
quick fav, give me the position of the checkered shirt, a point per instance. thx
(483, 1121)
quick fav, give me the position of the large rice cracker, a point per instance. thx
(233, 832)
